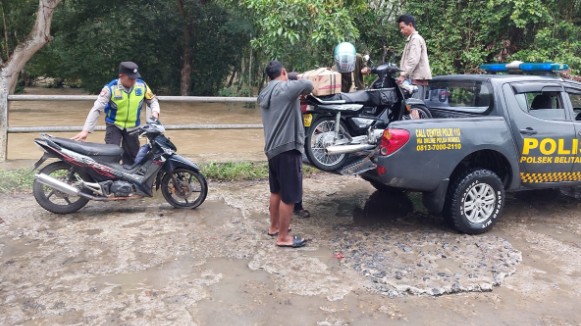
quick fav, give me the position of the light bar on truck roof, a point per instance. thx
(518, 66)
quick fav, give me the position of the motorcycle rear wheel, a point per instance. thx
(184, 188)
(53, 200)
(417, 112)
(319, 136)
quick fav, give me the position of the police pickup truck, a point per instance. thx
(491, 134)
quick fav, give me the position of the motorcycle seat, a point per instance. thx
(89, 149)
(358, 97)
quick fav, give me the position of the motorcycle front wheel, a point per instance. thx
(321, 135)
(54, 200)
(184, 188)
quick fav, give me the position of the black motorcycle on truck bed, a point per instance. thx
(349, 123)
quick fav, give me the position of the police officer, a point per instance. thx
(122, 100)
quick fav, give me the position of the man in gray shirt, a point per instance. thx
(284, 137)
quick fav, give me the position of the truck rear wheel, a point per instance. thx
(475, 201)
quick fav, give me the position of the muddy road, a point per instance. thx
(201, 145)
(373, 259)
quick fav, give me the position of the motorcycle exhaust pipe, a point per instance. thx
(58, 185)
(73, 191)
(346, 149)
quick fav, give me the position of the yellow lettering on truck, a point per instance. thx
(562, 150)
(529, 143)
(550, 149)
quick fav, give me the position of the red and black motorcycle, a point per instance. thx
(88, 171)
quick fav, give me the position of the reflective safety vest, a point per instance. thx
(124, 109)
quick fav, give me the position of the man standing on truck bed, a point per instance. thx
(284, 137)
(414, 63)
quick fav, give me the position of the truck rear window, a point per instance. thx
(466, 96)
(542, 105)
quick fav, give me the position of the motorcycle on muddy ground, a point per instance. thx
(89, 171)
(346, 124)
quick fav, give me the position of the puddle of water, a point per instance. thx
(17, 248)
(262, 298)
(156, 278)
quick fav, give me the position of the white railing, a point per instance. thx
(5, 129)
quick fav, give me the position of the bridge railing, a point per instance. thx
(5, 129)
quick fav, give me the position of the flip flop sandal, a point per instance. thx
(297, 243)
(303, 213)
(276, 233)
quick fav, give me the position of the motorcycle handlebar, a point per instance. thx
(140, 129)
(136, 131)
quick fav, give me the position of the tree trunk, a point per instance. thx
(38, 37)
(231, 81)
(187, 31)
(3, 118)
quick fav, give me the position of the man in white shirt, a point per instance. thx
(414, 63)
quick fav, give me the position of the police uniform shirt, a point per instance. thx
(105, 97)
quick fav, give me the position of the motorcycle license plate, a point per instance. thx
(307, 119)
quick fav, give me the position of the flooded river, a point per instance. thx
(204, 145)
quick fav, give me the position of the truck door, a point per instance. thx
(543, 130)
(573, 93)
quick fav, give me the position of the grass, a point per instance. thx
(242, 171)
(19, 180)
(235, 171)
(16, 180)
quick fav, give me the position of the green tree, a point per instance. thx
(302, 33)
(149, 33)
(18, 55)
(461, 35)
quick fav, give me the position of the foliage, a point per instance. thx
(379, 35)
(243, 171)
(233, 40)
(146, 32)
(234, 91)
(235, 171)
(301, 33)
(16, 180)
(461, 36)
(17, 19)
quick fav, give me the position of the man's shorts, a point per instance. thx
(285, 175)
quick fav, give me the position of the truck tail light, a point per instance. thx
(380, 170)
(392, 140)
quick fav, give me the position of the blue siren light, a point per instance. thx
(518, 66)
(494, 67)
(545, 66)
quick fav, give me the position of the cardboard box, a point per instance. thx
(325, 81)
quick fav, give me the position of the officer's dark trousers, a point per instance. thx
(129, 143)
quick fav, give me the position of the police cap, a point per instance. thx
(130, 69)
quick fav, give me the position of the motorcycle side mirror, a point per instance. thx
(153, 120)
